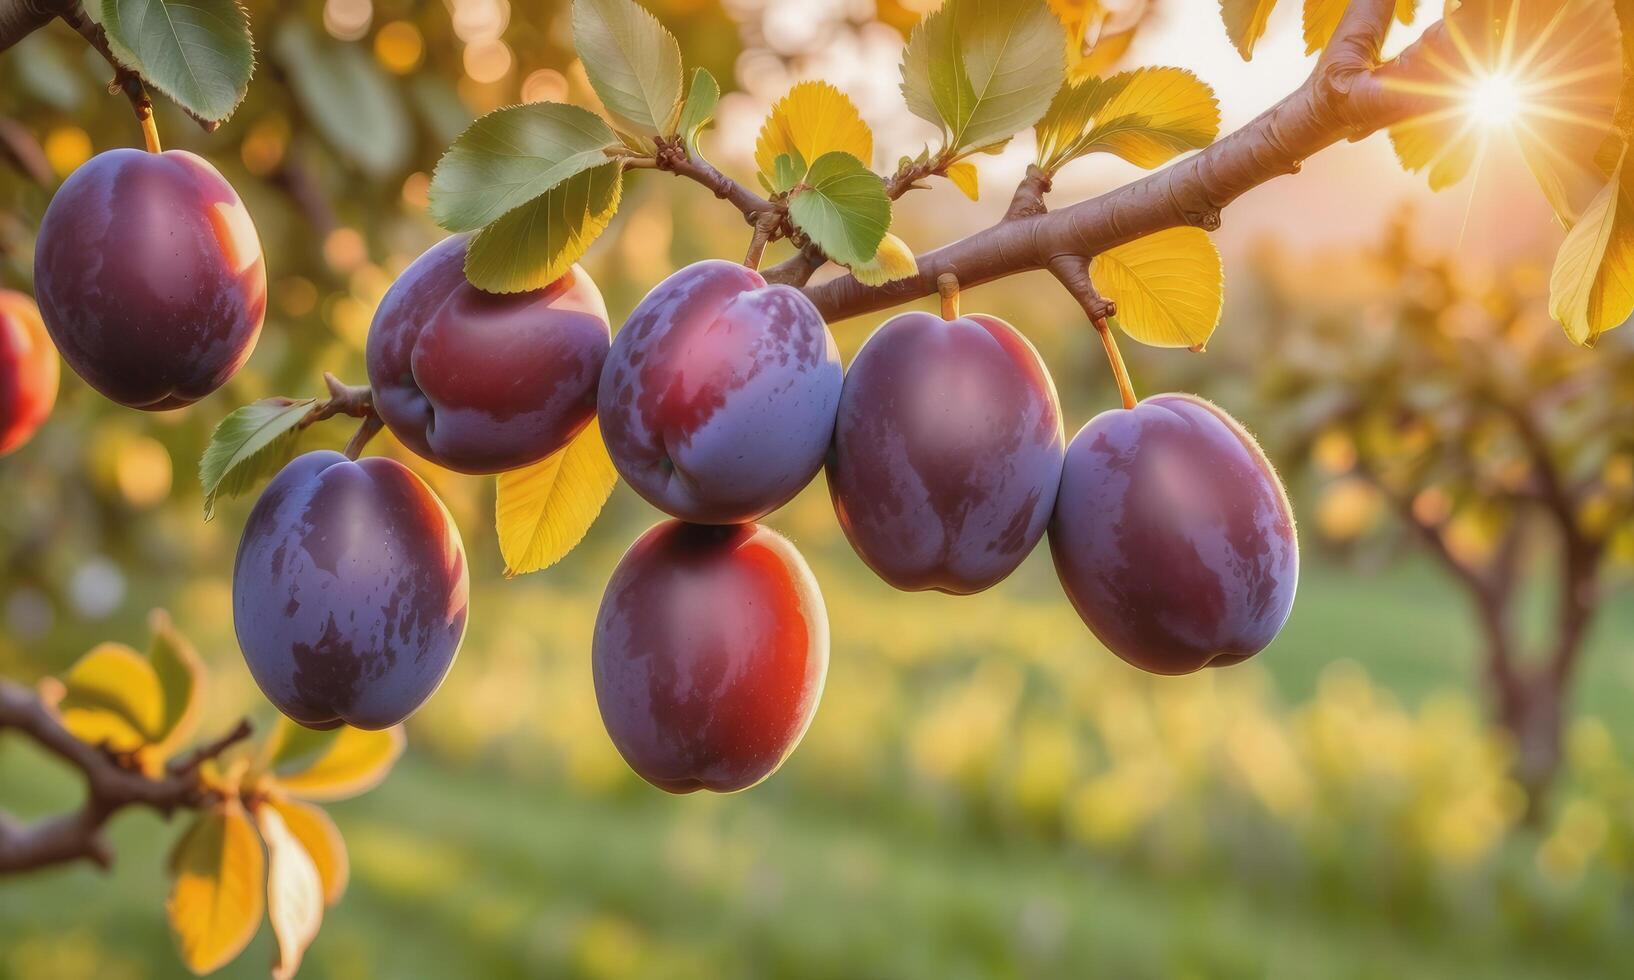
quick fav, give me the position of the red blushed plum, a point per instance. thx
(709, 655)
(947, 452)
(28, 371)
(481, 382)
(350, 591)
(149, 276)
(718, 399)
(1173, 536)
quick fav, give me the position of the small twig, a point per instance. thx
(110, 784)
(1029, 196)
(356, 401)
(673, 157)
(1073, 273)
(190, 763)
(765, 229)
(125, 79)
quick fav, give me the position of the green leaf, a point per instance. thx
(843, 207)
(250, 445)
(538, 242)
(512, 156)
(984, 69)
(181, 677)
(349, 99)
(1148, 117)
(699, 110)
(634, 64)
(198, 53)
(787, 171)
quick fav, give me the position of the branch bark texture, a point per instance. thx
(110, 786)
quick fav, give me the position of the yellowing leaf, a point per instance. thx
(537, 243)
(893, 261)
(1096, 35)
(1245, 22)
(543, 511)
(813, 119)
(1148, 117)
(322, 841)
(331, 765)
(1102, 58)
(295, 896)
(965, 177)
(113, 697)
(1169, 287)
(1322, 19)
(216, 898)
(1592, 288)
(181, 679)
(1563, 60)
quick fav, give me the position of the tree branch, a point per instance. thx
(20, 18)
(1348, 96)
(110, 787)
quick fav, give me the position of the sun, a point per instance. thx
(1496, 101)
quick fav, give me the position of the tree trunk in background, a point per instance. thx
(1532, 710)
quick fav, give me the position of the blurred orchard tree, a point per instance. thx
(1450, 406)
(334, 144)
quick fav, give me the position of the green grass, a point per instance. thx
(470, 872)
(463, 874)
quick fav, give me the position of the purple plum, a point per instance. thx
(1173, 536)
(349, 592)
(709, 656)
(481, 382)
(718, 399)
(149, 276)
(947, 452)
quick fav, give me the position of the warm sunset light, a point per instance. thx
(1496, 101)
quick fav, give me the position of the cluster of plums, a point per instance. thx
(719, 401)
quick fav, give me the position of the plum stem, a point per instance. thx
(368, 430)
(1120, 371)
(947, 285)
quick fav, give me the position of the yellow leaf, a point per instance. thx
(1147, 116)
(893, 261)
(1169, 287)
(1592, 288)
(965, 177)
(215, 901)
(322, 840)
(1245, 22)
(1101, 58)
(295, 896)
(813, 119)
(181, 680)
(331, 765)
(1096, 36)
(1322, 19)
(543, 511)
(113, 697)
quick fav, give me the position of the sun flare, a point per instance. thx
(1496, 101)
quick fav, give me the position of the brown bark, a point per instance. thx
(110, 787)
(20, 18)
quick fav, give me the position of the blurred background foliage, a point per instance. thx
(985, 791)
